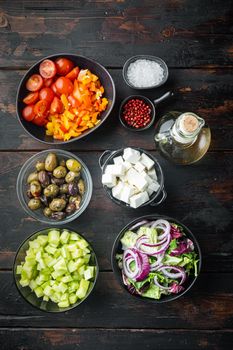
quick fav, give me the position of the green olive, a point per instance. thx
(62, 162)
(47, 212)
(40, 166)
(35, 188)
(73, 165)
(51, 162)
(34, 204)
(76, 200)
(51, 190)
(60, 172)
(57, 204)
(71, 176)
(32, 177)
(81, 187)
(64, 188)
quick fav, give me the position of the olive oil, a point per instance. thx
(182, 138)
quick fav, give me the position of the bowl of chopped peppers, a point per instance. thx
(64, 97)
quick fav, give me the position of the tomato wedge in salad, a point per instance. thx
(32, 97)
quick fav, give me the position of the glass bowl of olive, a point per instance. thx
(54, 186)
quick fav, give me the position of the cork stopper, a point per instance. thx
(189, 123)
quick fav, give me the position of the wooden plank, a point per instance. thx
(200, 196)
(94, 339)
(183, 15)
(206, 92)
(206, 306)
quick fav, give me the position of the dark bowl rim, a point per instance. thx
(14, 268)
(153, 112)
(149, 57)
(116, 269)
(85, 134)
(19, 189)
(120, 203)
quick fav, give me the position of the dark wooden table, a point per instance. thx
(195, 39)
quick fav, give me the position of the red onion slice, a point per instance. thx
(174, 275)
(141, 223)
(142, 266)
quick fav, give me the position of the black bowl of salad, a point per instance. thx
(156, 258)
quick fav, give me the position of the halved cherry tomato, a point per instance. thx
(41, 108)
(73, 101)
(47, 69)
(46, 94)
(73, 74)
(56, 106)
(39, 120)
(48, 82)
(64, 66)
(64, 86)
(32, 97)
(28, 113)
(34, 83)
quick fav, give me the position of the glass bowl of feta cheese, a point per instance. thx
(132, 177)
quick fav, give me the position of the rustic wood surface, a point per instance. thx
(195, 39)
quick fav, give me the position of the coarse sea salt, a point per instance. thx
(145, 73)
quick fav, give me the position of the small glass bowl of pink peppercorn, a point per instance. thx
(137, 113)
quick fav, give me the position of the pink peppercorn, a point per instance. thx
(136, 113)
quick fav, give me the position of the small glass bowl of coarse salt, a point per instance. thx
(145, 72)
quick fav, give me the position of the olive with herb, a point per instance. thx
(57, 204)
(73, 165)
(34, 203)
(35, 188)
(50, 162)
(47, 212)
(43, 177)
(64, 188)
(56, 181)
(81, 187)
(60, 172)
(58, 215)
(71, 176)
(75, 200)
(32, 177)
(70, 208)
(40, 165)
(51, 191)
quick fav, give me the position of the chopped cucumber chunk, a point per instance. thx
(57, 267)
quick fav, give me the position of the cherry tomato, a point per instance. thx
(64, 86)
(53, 87)
(64, 66)
(73, 74)
(39, 120)
(32, 97)
(73, 101)
(56, 106)
(48, 82)
(47, 69)
(46, 94)
(41, 108)
(34, 83)
(28, 113)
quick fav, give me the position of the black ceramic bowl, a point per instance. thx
(28, 294)
(38, 132)
(118, 250)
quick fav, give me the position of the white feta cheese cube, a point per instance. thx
(126, 193)
(154, 186)
(118, 160)
(138, 199)
(127, 165)
(109, 180)
(115, 169)
(136, 179)
(147, 161)
(152, 173)
(139, 167)
(148, 179)
(116, 190)
(131, 155)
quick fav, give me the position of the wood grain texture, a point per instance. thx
(206, 92)
(205, 306)
(101, 339)
(181, 32)
(200, 196)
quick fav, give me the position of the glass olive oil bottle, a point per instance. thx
(182, 138)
